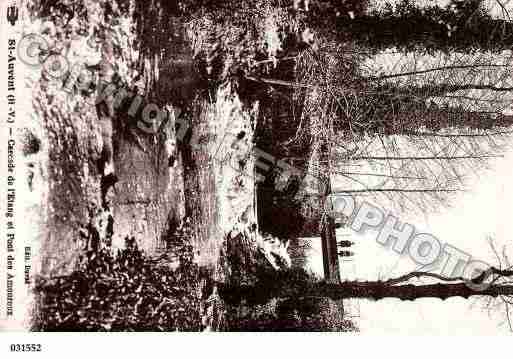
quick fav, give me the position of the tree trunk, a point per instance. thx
(378, 290)
(369, 290)
(328, 238)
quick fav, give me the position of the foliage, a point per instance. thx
(299, 315)
(459, 26)
(126, 291)
(285, 308)
(259, 282)
(279, 208)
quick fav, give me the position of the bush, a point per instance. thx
(126, 291)
(288, 310)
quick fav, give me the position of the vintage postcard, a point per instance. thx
(256, 166)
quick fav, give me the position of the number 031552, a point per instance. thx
(25, 347)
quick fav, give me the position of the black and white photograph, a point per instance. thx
(256, 166)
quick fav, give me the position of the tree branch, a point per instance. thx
(455, 67)
(414, 158)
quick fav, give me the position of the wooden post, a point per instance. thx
(327, 222)
(329, 241)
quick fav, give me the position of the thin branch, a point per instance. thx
(434, 134)
(402, 190)
(420, 158)
(418, 275)
(455, 67)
